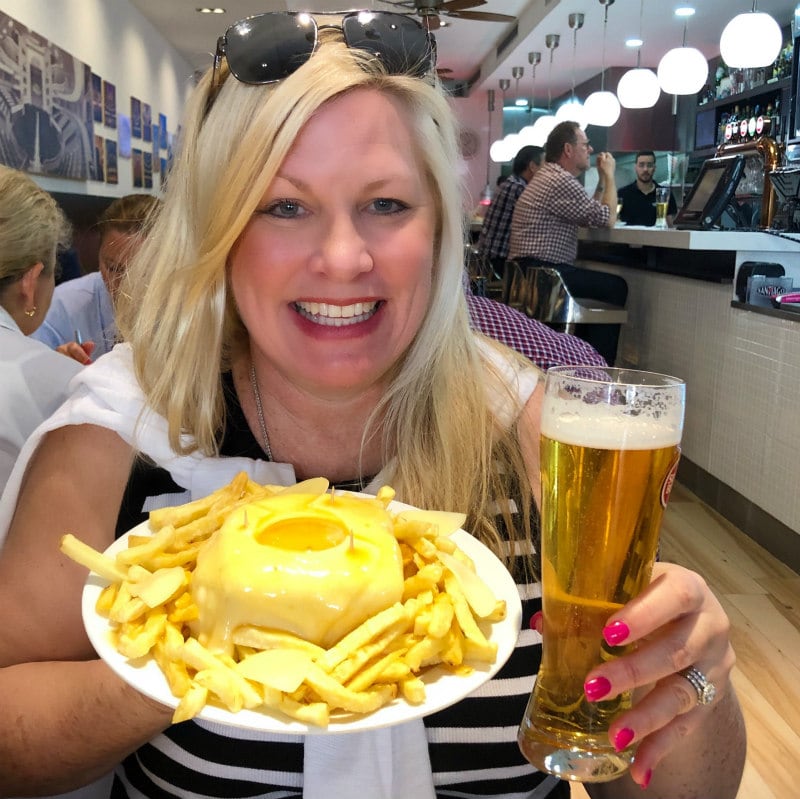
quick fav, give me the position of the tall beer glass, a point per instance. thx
(662, 204)
(609, 452)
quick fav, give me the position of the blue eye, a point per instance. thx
(385, 205)
(285, 209)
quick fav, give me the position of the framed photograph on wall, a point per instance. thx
(138, 169)
(136, 118)
(147, 121)
(109, 104)
(47, 110)
(97, 98)
(99, 171)
(123, 136)
(162, 131)
(111, 161)
(147, 169)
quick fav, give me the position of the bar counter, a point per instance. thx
(741, 442)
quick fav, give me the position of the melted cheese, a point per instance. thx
(313, 565)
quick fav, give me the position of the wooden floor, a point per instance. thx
(762, 598)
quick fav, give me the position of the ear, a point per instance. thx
(28, 284)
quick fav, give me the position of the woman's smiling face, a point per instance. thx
(332, 275)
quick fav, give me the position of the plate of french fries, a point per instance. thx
(452, 627)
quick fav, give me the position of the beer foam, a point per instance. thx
(610, 427)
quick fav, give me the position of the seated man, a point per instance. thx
(639, 198)
(545, 347)
(548, 213)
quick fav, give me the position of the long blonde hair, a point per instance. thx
(178, 314)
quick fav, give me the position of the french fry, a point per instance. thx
(93, 560)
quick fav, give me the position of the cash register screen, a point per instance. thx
(711, 192)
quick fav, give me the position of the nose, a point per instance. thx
(343, 252)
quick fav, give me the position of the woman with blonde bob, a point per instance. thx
(34, 379)
(297, 311)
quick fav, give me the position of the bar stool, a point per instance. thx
(483, 279)
(549, 301)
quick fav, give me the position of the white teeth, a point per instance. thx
(323, 313)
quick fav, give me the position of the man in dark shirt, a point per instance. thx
(496, 229)
(639, 198)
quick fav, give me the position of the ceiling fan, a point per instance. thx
(431, 11)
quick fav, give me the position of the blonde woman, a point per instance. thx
(34, 379)
(297, 311)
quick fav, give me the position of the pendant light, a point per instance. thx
(517, 73)
(546, 122)
(528, 134)
(486, 197)
(602, 108)
(573, 109)
(682, 70)
(638, 87)
(499, 152)
(751, 40)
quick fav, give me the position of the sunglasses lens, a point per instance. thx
(400, 42)
(269, 47)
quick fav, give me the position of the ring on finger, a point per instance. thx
(705, 689)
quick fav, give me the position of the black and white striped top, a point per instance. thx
(472, 745)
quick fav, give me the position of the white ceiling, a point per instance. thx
(466, 46)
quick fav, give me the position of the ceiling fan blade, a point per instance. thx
(481, 16)
(460, 5)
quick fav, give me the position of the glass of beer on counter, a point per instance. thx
(662, 204)
(610, 444)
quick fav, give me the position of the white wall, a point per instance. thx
(121, 46)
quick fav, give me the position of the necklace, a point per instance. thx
(260, 411)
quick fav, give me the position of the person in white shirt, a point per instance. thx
(34, 378)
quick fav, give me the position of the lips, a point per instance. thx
(328, 314)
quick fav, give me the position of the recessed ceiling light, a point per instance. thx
(684, 11)
(211, 10)
(634, 41)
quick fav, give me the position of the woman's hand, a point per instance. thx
(677, 622)
(82, 353)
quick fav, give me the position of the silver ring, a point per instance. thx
(706, 690)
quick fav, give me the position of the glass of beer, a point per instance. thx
(609, 453)
(662, 203)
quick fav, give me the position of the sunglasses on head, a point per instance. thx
(269, 47)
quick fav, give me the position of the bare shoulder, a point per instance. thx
(74, 484)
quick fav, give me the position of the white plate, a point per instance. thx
(442, 689)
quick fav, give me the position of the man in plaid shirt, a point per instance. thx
(496, 229)
(548, 213)
(545, 347)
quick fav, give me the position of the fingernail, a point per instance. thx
(623, 738)
(616, 633)
(536, 621)
(648, 775)
(596, 688)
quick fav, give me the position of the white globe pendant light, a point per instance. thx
(682, 70)
(751, 40)
(602, 108)
(500, 153)
(638, 88)
(573, 111)
(542, 128)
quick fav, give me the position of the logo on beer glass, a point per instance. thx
(669, 480)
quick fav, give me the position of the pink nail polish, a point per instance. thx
(596, 688)
(616, 633)
(536, 621)
(623, 738)
(648, 775)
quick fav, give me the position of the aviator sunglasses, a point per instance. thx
(269, 47)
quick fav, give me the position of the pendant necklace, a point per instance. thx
(260, 411)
